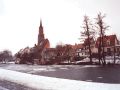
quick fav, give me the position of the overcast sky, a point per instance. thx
(62, 20)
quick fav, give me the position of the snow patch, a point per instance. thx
(64, 68)
(44, 69)
(40, 69)
(2, 88)
(89, 80)
(100, 77)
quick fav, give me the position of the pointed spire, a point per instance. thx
(40, 22)
(41, 33)
(40, 27)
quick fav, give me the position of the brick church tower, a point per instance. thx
(41, 34)
(42, 44)
(42, 41)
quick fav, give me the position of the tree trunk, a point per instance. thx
(114, 54)
(90, 54)
(99, 51)
(89, 43)
(103, 52)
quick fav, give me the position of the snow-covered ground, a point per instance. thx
(50, 83)
(109, 59)
(2, 88)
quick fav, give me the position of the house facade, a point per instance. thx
(111, 45)
(83, 49)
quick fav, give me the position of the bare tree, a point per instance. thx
(64, 53)
(59, 53)
(87, 34)
(101, 26)
(68, 52)
(114, 52)
(6, 56)
(25, 56)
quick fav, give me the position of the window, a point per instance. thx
(108, 43)
(117, 49)
(108, 50)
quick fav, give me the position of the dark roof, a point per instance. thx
(50, 49)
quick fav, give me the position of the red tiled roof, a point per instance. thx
(76, 46)
(110, 38)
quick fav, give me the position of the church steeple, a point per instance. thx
(40, 27)
(41, 34)
(40, 23)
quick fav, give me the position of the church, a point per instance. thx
(40, 53)
(42, 44)
(42, 41)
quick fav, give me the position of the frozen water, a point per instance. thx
(49, 83)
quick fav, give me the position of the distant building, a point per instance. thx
(50, 54)
(79, 48)
(92, 46)
(42, 44)
(82, 49)
(110, 43)
(42, 41)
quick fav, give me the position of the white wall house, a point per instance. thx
(110, 42)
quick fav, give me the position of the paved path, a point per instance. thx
(49, 83)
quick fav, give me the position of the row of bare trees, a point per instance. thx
(90, 31)
(24, 56)
(65, 52)
(62, 53)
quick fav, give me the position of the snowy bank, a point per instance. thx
(50, 83)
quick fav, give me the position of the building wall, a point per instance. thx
(94, 50)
